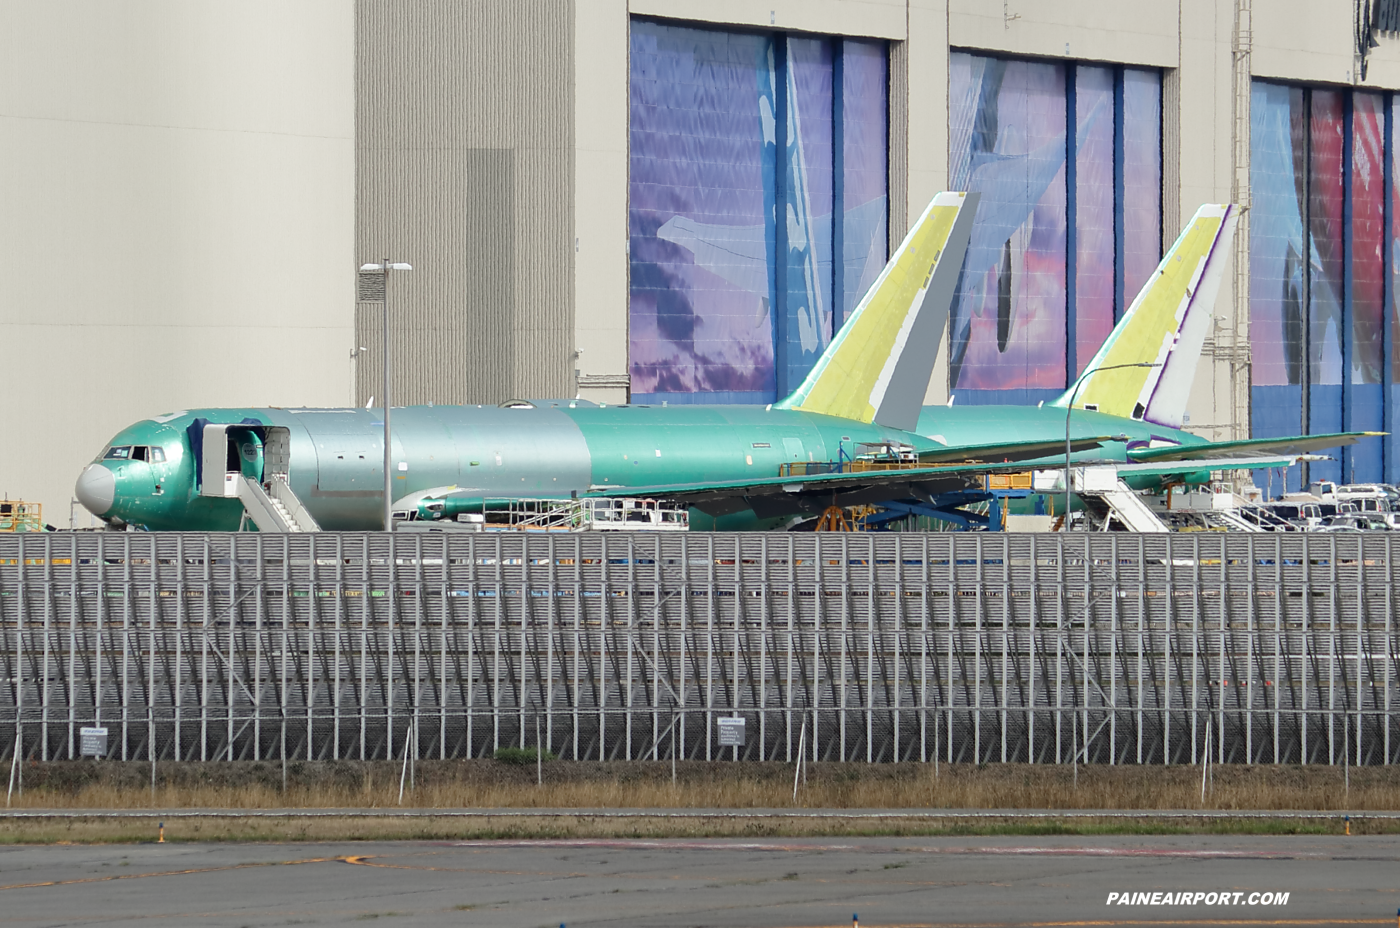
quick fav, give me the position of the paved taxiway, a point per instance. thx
(764, 882)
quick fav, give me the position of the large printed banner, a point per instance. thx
(743, 149)
(1317, 332)
(1006, 127)
(1010, 139)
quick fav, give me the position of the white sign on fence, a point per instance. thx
(93, 742)
(731, 732)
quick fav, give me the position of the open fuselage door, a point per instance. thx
(252, 464)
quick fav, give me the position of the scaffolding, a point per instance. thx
(19, 516)
(1113, 648)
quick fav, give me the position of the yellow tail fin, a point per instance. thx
(1161, 334)
(877, 367)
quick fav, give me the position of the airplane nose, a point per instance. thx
(96, 489)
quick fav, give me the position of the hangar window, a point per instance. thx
(118, 453)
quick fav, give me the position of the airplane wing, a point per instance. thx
(1009, 452)
(816, 491)
(1251, 447)
(1196, 465)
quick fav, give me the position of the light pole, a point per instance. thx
(1069, 408)
(384, 267)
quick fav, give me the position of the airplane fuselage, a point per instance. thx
(336, 455)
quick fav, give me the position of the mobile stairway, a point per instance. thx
(268, 503)
(1107, 499)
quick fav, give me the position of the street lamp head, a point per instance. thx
(387, 266)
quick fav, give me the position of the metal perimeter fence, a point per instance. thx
(1107, 648)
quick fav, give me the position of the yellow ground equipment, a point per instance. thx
(19, 516)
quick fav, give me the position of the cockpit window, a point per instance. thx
(139, 453)
(157, 455)
(118, 453)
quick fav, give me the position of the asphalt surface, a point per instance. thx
(764, 882)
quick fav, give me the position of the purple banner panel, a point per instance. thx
(1142, 179)
(701, 263)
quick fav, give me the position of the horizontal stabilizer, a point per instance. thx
(878, 366)
(1251, 447)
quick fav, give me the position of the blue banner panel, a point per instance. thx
(1093, 219)
(1276, 286)
(1277, 411)
(1007, 141)
(805, 321)
(863, 179)
(699, 224)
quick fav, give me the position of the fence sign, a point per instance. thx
(93, 742)
(731, 732)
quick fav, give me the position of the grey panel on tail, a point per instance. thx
(905, 397)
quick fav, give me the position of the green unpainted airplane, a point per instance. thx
(737, 467)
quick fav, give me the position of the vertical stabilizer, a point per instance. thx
(877, 367)
(1166, 326)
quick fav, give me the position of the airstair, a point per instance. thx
(1107, 499)
(273, 507)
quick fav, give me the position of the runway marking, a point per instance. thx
(364, 861)
(622, 844)
(142, 876)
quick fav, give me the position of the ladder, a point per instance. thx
(1122, 502)
(274, 507)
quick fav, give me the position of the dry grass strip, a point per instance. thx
(392, 827)
(492, 785)
(489, 784)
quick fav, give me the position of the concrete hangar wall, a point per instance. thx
(188, 188)
(176, 219)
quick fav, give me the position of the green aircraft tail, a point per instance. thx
(877, 367)
(1146, 365)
